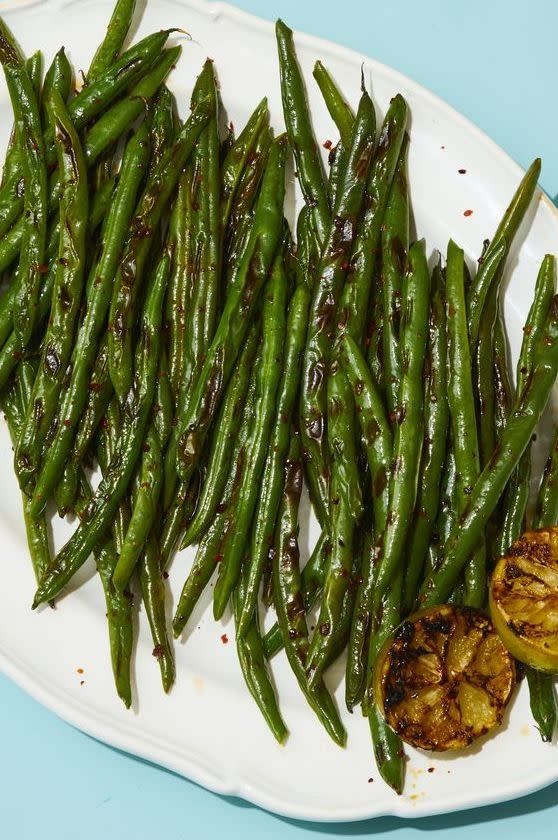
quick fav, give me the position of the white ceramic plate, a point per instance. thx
(208, 729)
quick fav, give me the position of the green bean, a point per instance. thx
(120, 624)
(542, 701)
(331, 272)
(305, 249)
(7, 305)
(162, 129)
(339, 111)
(505, 233)
(178, 516)
(395, 245)
(11, 197)
(409, 429)
(33, 169)
(119, 612)
(205, 299)
(268, 502)
(59, 76)
(10, 354)
(446, 513)
(226, 429)
(110, 126)
(347, 607)
(254, 670)
(344, 119)
(66, 296)
(14, 404)
(517, 492)
(108, 50)
(528, 406)
(436, 423)
(135, 64)
(211, 546)
(205, 245)
(268, 379)
(353, 305)
(301, 138)
(238, 158)
(144, 510)
(102, 135)
(462, 414)
(337, 160)
(178, 295)
(163, 407)
(151, 205)
(502, 384)
(311, 579)
(100, 392)
(541, 686)
(250, 276)
(115, 482)
(134, 166)
(207, 557)
(288, 595)
(13, 153)
(377, 443)
(546, 512)
(239, 221)
(346, 510)
(153, 596)
(388, 748)
(150, 567)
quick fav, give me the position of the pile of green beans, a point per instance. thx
(160, 324)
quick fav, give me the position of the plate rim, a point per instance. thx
(105, 727)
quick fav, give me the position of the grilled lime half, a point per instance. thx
(444, 679)
(524, 599)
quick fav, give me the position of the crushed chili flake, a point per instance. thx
(431, 769)
(80, 670)
(462, 171)
(166, 575)
(370, 780)
(468, 213)
(225, 639)
(158, 651)
(82, 682)
(327, 144)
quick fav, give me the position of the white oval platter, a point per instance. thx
(208, 728)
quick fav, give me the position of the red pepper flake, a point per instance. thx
(468, 213)
(225, 639)
(370, 780)
(327, 144)
(68, 423)
(166, 575)
(431, 769)
(442, 147)
(82, 682)
(158, 651)
(80, 670)
(462, 171)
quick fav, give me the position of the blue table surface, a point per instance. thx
(493, 61)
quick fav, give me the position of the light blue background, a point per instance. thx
(495, 61)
